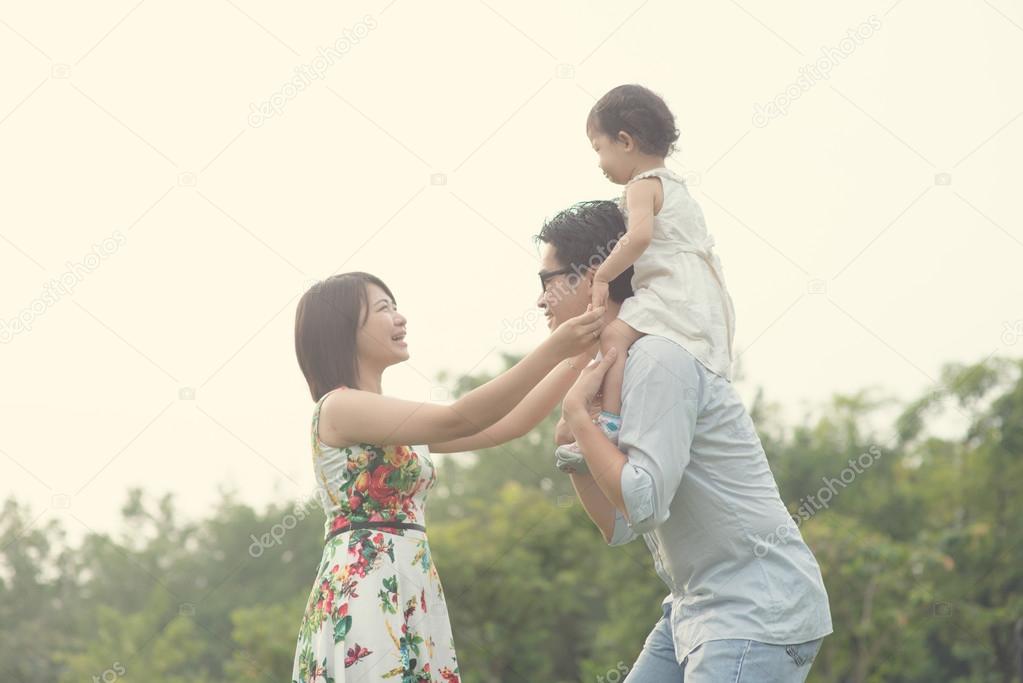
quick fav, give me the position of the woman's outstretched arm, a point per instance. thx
(530, 412)
(349, 417)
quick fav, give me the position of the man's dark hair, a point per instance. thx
(583, 235)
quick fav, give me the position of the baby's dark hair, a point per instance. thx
(641, 113)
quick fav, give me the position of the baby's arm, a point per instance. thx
(639, 198)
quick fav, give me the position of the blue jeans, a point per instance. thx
(720, 661)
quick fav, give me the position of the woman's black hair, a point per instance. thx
(327, 322)
(583, 235)
(639, 112)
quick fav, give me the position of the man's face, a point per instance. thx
(565, 295)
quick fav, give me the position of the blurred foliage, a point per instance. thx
(922, 555)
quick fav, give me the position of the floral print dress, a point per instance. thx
(376, 611)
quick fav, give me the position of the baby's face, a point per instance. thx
(611, 157)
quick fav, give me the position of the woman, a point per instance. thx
(376, 610)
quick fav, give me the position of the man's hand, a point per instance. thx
(582, 401)
(562, 434)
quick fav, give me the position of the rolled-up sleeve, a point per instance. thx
(660, 402)
(621, 534)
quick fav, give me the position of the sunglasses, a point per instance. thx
(546, 275)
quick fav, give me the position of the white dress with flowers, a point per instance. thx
(376, 611)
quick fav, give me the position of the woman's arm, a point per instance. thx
(537, 405)
(348, 417)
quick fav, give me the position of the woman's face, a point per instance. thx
(380, 341)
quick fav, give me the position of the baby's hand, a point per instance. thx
(599, 294)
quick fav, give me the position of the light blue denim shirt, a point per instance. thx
(701, 493)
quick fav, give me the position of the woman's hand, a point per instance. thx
(578, 334)
(583, 401)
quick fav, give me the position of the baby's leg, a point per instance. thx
(620, 335)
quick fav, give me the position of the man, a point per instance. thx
(690, 476)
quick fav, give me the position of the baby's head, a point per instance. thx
(629, 124)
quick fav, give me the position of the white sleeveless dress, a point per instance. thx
(679, 284)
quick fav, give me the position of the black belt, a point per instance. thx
(373, 525)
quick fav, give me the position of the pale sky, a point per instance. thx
(869, 234)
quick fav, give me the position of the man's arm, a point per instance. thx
(608, 519)
(660, 403)
(596, 504)
(603, 459)
(661, 400)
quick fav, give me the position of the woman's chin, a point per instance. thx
(399, 356)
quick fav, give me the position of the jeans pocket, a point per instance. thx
(804, 653)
